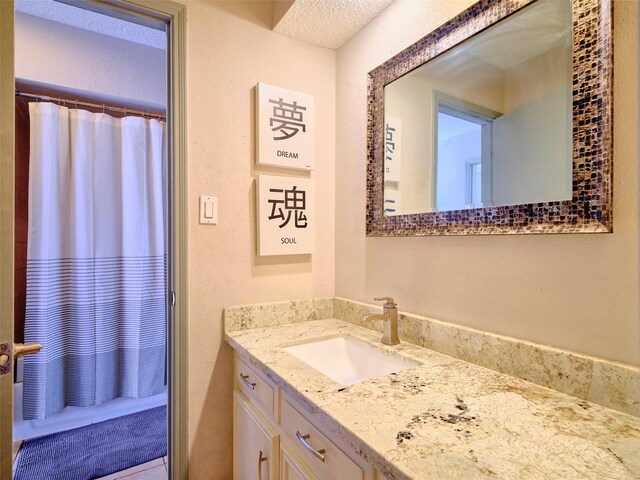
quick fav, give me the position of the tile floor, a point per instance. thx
(14, 450)
(153, 470)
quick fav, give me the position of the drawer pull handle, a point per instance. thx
(319, 454)
(260, 460)
(244, 378)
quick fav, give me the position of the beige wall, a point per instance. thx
(577, 292)
(409, 99)
(230, 48)
(537, 77)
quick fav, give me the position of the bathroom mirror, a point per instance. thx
(499, 121)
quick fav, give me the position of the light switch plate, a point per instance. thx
(208, 210)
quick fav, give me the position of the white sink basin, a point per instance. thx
(348, 360)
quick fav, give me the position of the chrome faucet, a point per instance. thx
(390, 317)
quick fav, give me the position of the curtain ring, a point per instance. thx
(125, 111)
(76, 103)
(103, 108)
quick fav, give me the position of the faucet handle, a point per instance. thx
(388, 300)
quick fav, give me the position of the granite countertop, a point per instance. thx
(447, 418)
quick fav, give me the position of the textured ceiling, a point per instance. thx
(536, 29)
(484, 58)
(327, 23)
(86, 20)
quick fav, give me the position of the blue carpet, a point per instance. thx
(95, 450)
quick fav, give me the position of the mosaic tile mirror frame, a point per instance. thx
(590, 208)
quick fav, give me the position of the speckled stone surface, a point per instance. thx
(606, 383)
(276, 313)
(447, 418)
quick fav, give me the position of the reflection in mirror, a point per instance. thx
(487, 123)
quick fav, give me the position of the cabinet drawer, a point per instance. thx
(255, 387)
(329, 462)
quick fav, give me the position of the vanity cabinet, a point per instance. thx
(273, 439)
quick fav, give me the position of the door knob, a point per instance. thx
(8, 354)
(22, 349)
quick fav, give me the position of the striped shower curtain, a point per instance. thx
(96, 261)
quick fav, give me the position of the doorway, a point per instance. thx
(170, 17)
(462, 153)
(90, 284)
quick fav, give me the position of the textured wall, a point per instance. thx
(57, 54)
(230, 48)
(577, 292)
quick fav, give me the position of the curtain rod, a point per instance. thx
(65, 102)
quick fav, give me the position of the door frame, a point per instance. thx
(150, 13)
(7, 234)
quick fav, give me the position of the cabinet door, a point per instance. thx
(255, 443)
(291, 466)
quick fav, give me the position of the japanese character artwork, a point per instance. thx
(392, 148)
(392, 201)
(287, 119)
(285, 128)
(286, 215)
(295, 201)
